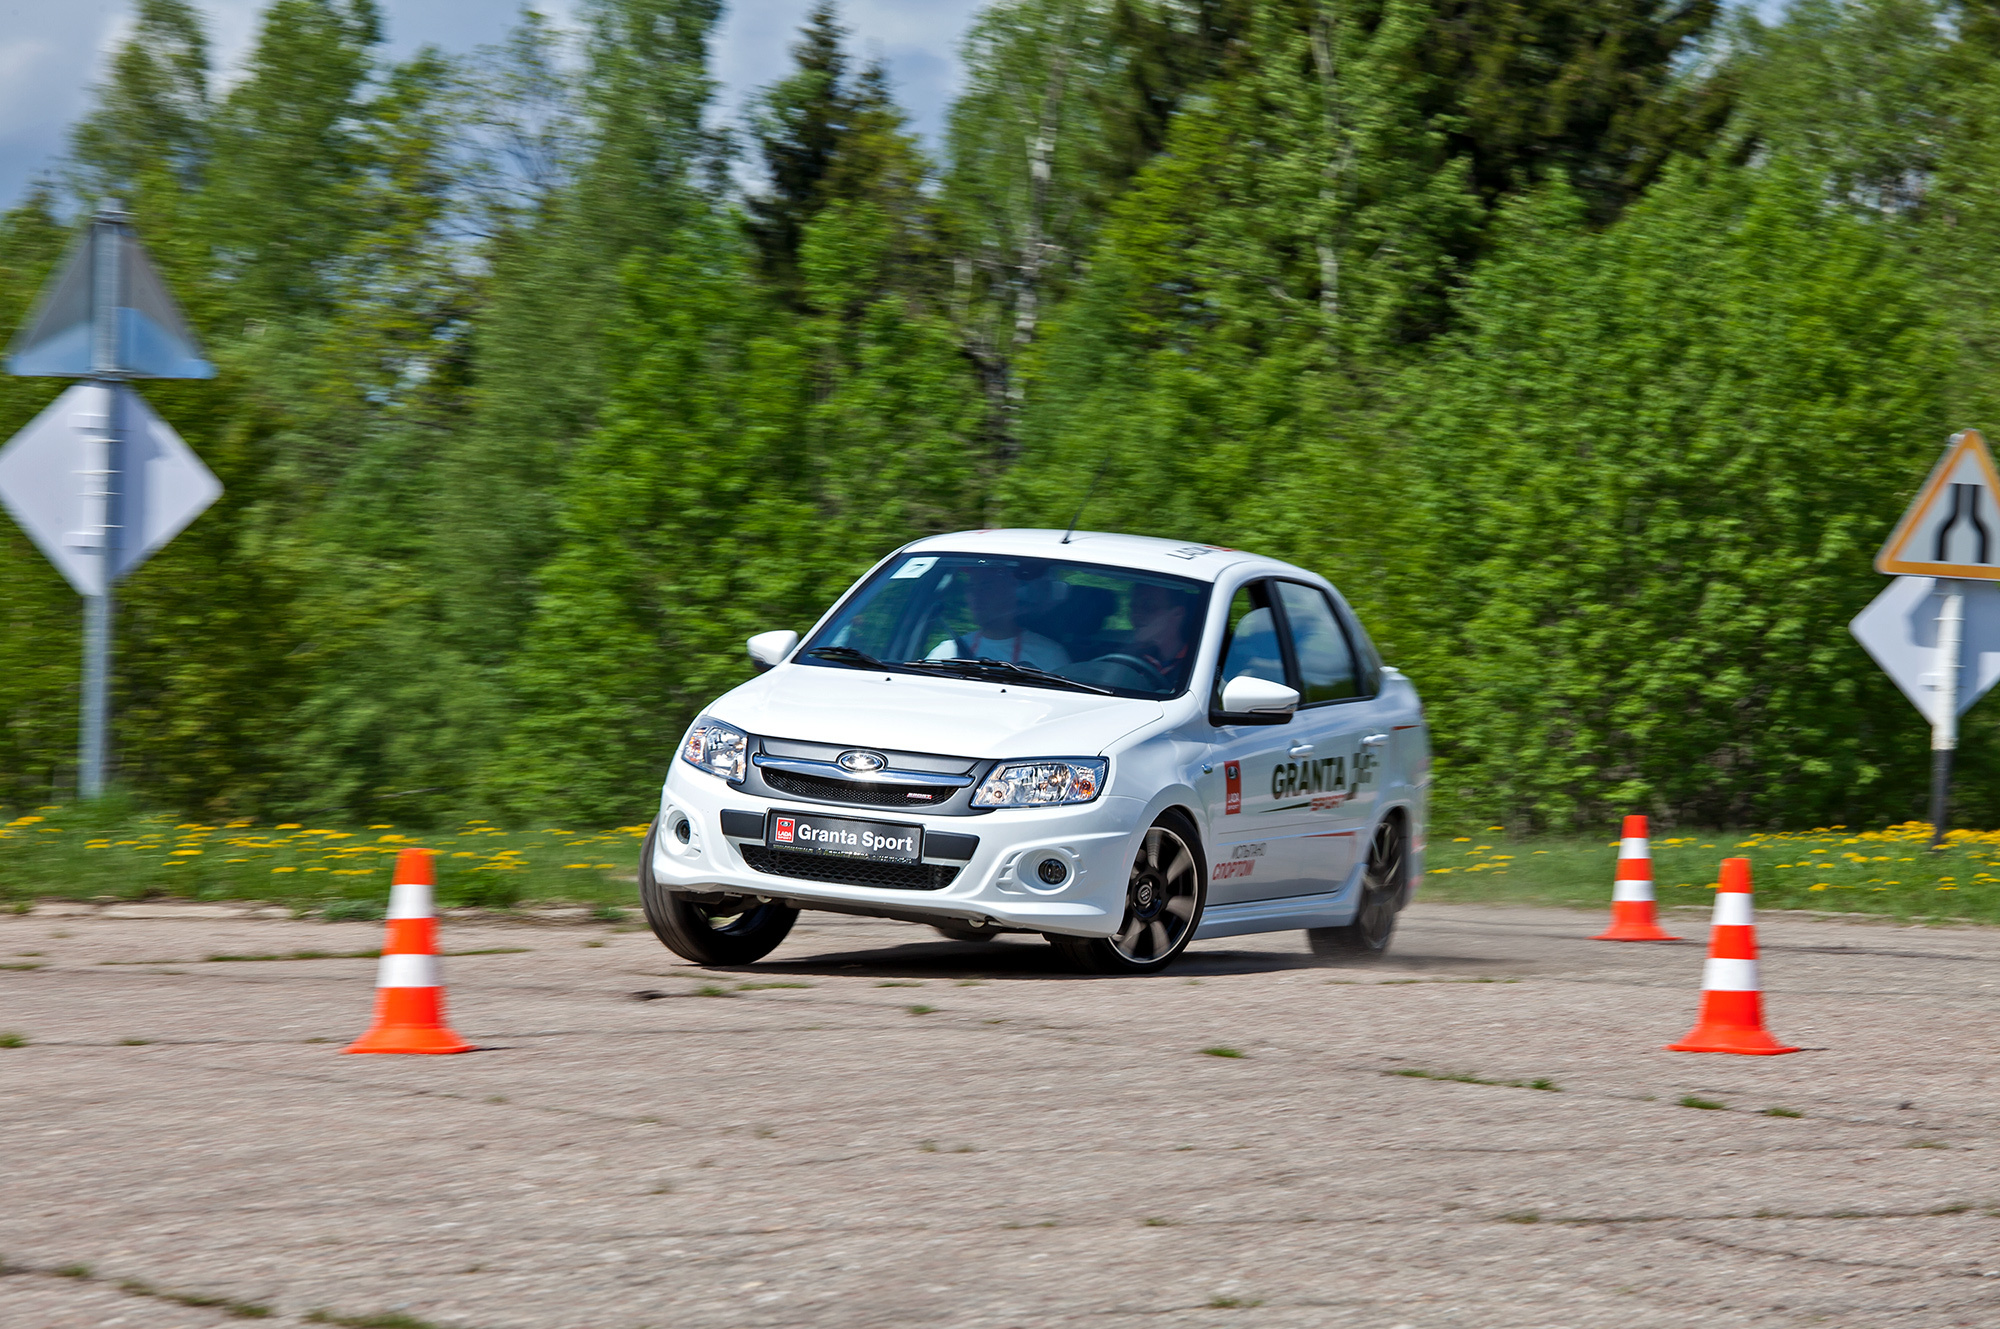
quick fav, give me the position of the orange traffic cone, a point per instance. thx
(1632, 890)
(409, 998)
(1732, 1009)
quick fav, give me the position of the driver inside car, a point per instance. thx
(1160, 633)
(992, 593)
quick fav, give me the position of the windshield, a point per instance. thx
(1115, 630)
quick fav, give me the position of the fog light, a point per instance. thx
(1052, 871)
(682, 831)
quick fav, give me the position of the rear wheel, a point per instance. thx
(1164, 896)
(721, 929)
(1383, 883)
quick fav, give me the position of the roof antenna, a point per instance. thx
(1086, 497)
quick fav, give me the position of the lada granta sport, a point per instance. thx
(1124, 744)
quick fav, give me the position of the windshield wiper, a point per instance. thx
(984, 665)
(846, 655)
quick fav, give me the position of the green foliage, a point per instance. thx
(1589, 345)
(1654, 470)
(113, 851)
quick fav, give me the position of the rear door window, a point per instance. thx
(1326, 660)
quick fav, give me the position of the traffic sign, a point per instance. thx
(107, 312)
(1901, 629)
(1953, 528)
(99, 482)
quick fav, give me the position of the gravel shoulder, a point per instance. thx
(878, 1127)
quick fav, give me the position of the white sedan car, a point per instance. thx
(1121, 743)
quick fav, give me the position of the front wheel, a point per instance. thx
(1382, 888)
(729, 930)
(1164, 897)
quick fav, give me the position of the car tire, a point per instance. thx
(738, 931)
(1164, 898)
(1384, 885)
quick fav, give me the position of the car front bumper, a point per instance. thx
(996, 886)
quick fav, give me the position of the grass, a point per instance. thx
(1781, 1112)
(242, 1310)
(1232, 1303)
(11, 1039)
(1542, 1083)
(113, 851)
(1832, 868)
(1221, 1052)
(1705, 1104)
(391, 1320)
(920, 1009)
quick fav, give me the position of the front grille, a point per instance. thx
(848, 871)
(862, 793)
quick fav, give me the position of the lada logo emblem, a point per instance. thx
(861, 763)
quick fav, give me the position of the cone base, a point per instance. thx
(409, 1020)
(1624, 932)
(435, 1041)
(1731, 1038)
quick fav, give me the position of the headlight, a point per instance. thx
(1031, 784)
(717, 749)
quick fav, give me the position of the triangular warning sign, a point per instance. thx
(149, 338)
(1953, 529)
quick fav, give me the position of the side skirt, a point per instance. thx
(1331, 909)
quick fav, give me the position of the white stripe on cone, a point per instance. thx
(1729, 975)
(1732, 909)
(1633, 846)
(407, 971)
(1631, 890)
(409, 899)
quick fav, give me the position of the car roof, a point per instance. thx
(1183, 558)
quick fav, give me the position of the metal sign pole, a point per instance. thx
(1944, 729)
(102, 478)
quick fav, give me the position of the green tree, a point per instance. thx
(1650, 477)
(40, 620)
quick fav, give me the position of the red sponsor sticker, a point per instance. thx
(1232, 775)
(784, 831)
(1240, 867)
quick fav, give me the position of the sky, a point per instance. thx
(53, 51)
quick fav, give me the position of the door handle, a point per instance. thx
(1298, 749)
(1374, 740)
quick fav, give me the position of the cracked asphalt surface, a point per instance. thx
(878, 1127)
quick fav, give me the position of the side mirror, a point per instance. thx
(770, 648)
(1247, 700)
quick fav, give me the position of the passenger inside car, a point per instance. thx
(993, 594)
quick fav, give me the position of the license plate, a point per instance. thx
(885, 842)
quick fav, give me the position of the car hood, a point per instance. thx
(915, 713)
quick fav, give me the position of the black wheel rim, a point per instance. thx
(1381, 885)
(1159, 899)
